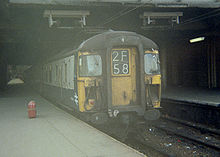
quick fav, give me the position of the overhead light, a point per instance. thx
(51, 14)
(196, 39)
(151, 17)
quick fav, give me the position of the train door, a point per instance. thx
(123, 72)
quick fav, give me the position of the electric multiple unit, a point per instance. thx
(110, 74)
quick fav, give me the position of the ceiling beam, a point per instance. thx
(156, 3)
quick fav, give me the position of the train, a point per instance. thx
(109, 74)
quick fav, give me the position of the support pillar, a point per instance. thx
(163, 60)
(3, 73)
(211, 56)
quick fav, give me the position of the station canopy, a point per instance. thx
(156, 3)
(32, 30)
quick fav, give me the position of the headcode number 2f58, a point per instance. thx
(120, 62)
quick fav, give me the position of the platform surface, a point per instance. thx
(195, 95)
(54, 133)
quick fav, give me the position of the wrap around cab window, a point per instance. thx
(90, 65)
(151, 64)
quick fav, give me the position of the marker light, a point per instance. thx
(197, 39)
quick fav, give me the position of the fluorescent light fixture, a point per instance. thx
(197, 39)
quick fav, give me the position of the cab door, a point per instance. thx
(123, 76)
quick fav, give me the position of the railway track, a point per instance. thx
(200, 127)
(192, 132)
(191, 139)
(135, 138)
(149, 148)
(195, 122)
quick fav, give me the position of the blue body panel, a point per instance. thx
(61, 96)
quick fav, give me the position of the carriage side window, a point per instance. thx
(50, 75)
(62, 73)
(151, 63)
(90, 65)
(56, 72)
(59, 74)
(65, 72)
(47, 74)
(44, 74)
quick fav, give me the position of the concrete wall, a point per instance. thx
(192, 65)
(3, 73)
(187, 64)
(217, 54)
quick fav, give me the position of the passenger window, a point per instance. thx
(65, 72)
(59, 77)
(50, 74)
(44, 74)
(57, 73)
(47, 75)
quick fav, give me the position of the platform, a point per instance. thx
(54, 133)
(195, 105)
(193, 95)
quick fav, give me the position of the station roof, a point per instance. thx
(156, 3)
(26, 38)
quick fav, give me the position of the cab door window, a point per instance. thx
(90, 65)
(151, 64)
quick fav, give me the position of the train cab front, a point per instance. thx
(130, 94)
(152, 84)
(90, 86)
(124, 87)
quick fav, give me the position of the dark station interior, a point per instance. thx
(190, 72)
(26, 38)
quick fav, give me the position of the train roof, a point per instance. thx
(101, 41)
